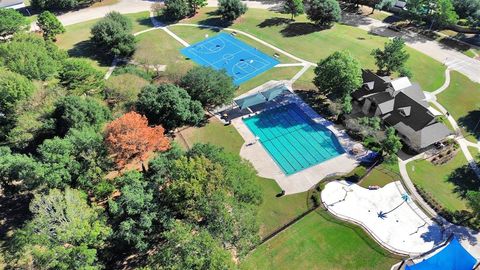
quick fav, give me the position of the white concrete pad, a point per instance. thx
(397, 224)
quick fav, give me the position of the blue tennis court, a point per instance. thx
(292, 139)
(241, 61)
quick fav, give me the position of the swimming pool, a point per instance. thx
(292, 139)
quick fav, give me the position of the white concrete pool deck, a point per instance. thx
(397, 225)
(305, 179)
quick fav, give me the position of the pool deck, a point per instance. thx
(305, 179)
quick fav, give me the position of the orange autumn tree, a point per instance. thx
(130, 137)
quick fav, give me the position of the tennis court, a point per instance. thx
(241, 61)
(292, 139)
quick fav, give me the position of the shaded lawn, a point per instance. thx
(462, 100)
(158, 48)
(193, 35)
(76, 39)
(435, 180)
(305, 41)
(318, 241)
(380, 176)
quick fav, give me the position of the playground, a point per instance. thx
(223, 51)
(388, 214)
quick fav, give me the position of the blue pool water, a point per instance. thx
(241, 61)
(292, 139)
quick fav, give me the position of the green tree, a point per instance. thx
(473, 200)
(60, 4)
(113, 34)
(293, 7)
(230, 10)
(337, 76)
(58, 157)
(468, 9)
(186, 247)
(78, 112)
(32, 57)
(80, 77)
(391, 144)
(209, 86)
(64, 233)
(134, 212)
(50, 25)
(324, 12)
(443, 13)
(14, 88)
(11, 22)
(18, 171)
(176, 9)
(195, 5)
(393, 57)
(169, 105)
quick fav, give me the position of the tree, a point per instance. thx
(230, 10)
(14, 88)
(31, 56)
(473, 200)
(59, 4)
(337, 76)
(195, 5)
(78, 76)
(176, 9)
(134, 212)
(113, 34)
(64, 233)
(50, 25)
(324, 12)
(11, 21)
(391, 144)
(443, 13)
(169, 105)
(18, 171)
(186, 247)
(209, 86)
(393, 57)
(78, 112)
(293, 7)
(130, 137)
(468, 9)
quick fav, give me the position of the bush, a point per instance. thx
(113, 34)
(230, 10)
(324, 12)
(50, 25)
(134, 70)
(59, 4)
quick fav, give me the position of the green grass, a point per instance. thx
(319, 242)
(462, 100)
(379, 176)
(279, 73)
(158, 48)
(76, 39)
(434, 180)
(304, 41)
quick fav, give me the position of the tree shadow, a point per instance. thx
(275, 21)
(214, 19)
(447, 43)
(144, 22)
(300, 29)
(87, 49)
(464, 179)
(471, 122)
(13, 216)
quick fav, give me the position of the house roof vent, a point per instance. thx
(405, 111)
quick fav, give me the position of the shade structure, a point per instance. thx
(273, 92)
(249, 101)
(453, 257)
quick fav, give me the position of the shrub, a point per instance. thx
(230, 10)
(324, 12)
(113, 34)
(11, 21)
(176, 9)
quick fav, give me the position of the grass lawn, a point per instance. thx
(318, 241)
(434, 180)
(380, 176)
(303, 40)
(105, 3)
(158, 48)
(278, 73)
(462, 100)
(76, 38)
